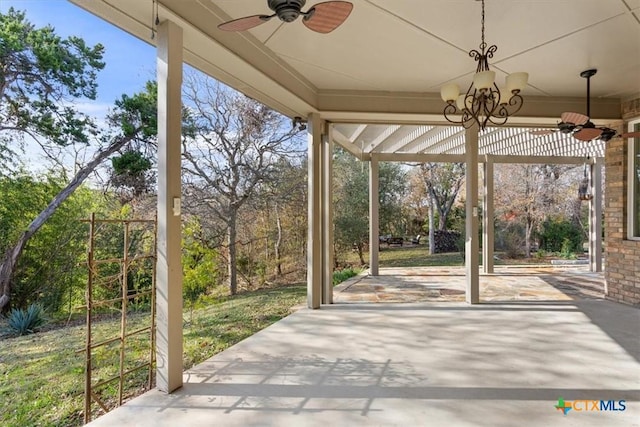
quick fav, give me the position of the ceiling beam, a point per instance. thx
(419, 158)
(535, 160)
(427, 108)
(346, 143)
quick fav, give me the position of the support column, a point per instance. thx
(487, 217)
(595, 217)
(374, 219)
(169, 265)
(471, 217)
(327, 216)
(314, 237)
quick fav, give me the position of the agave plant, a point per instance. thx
(27, 321)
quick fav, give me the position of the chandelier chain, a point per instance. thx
(483, 45)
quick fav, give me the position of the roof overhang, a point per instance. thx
(298, 73)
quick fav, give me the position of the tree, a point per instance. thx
(134, 119)
(237, 144)
(351, 201)
(40, 76)
(442, 182)
(275, 220)
(392, 187)
(529, 194)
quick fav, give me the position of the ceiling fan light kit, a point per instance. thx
(321, 17)
(484, 102)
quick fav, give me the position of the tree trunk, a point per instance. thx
(231, 243)
(361, 253)
(278, 242)
(527, 238)
(442, 221)
(12, 256)
(432, 231)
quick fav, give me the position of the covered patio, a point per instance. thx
(372, 87)
(432, 363)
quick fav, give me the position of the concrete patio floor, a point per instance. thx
(413, 364)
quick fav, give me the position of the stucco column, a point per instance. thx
(374, 219)
(327, 215)
(169, 267)
(487, 216)
(595, 217)
(314, 238)
(472, 246)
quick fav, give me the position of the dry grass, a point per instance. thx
(42, 375)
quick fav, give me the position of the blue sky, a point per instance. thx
(129, 61)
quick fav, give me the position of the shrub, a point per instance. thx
(566, 251)
(510, 239)
(559, 235)
(446, 241)
(342, 275)
(27, 321)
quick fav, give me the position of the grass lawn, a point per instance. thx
(418, 256)
(42, 375)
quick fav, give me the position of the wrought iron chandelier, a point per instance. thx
(484, 103)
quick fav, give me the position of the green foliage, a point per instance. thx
(351, 198)
(130, 162)
(567, 251)
(540, 254)
(131, 174)
(201, 264)
(344, 274)
(249, 266)
(560, 235)
(351, 201)
(41, 70)
(137, 115)
(27, 321)
(47, 271)
(392, 188)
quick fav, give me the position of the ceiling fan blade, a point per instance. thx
(326, 17)
(542, 132)
(575, 118)
(246, 23)
(587, 134)
(630, 135)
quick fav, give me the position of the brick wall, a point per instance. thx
(622, 256)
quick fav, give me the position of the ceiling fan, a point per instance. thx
(322, 17)
(580, 126)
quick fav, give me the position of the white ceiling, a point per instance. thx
(386, 63)
(418, 45)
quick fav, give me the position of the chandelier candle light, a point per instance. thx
(484, 102)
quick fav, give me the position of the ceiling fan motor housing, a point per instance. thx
(287, 10)
(607, 134)
(566, 127)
